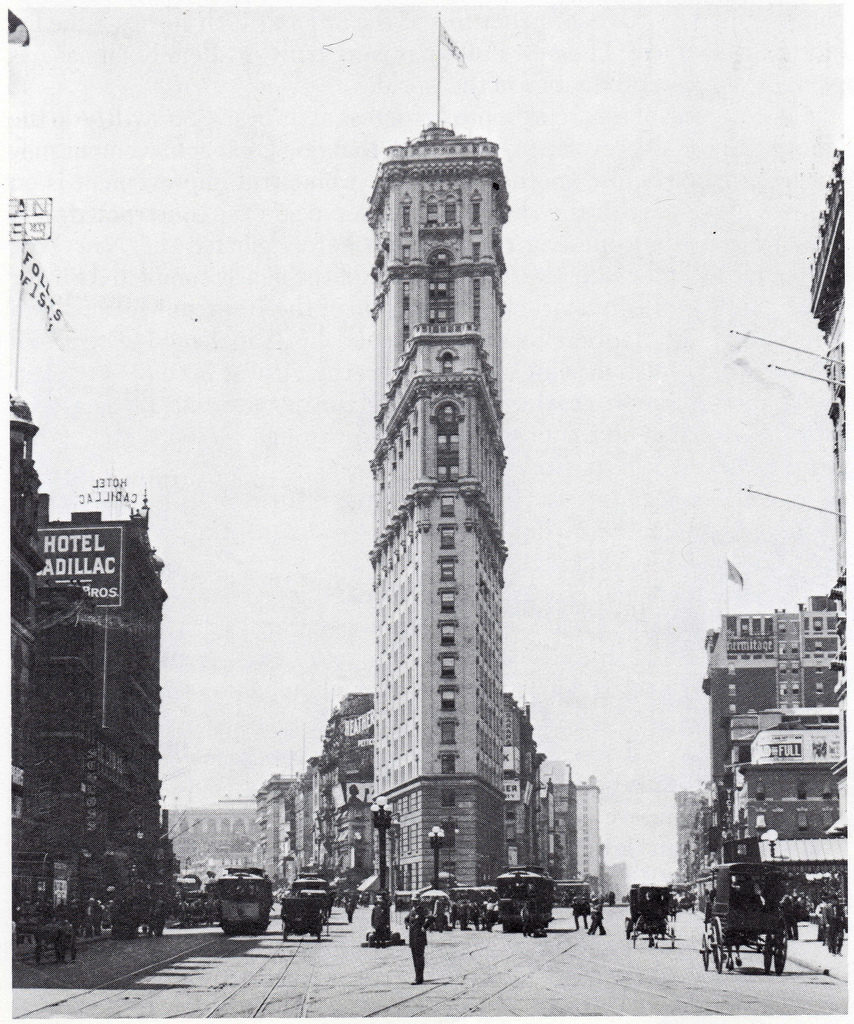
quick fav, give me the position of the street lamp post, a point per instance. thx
(770, 837)
(382, 822)
(437, 837)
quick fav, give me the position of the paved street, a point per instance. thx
(204, 974)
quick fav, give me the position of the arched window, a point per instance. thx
(447, 361)
(440, 289)
(447, 442)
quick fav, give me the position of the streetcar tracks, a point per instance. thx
(709, 988)
(113, 981)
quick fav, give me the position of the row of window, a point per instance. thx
(449, 213)
(765, 626)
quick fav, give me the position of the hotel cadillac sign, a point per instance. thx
(86, 556)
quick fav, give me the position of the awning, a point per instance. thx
(806, 851)
(370, 884)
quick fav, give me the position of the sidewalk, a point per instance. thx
(810, 953)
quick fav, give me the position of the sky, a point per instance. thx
(210, 171)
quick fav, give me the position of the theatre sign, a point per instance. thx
(86, 556)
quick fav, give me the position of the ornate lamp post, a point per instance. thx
(437, 838)
(382, 822)
(770, 837)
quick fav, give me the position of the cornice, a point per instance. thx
(438, 169)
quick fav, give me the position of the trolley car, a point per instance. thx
(244, 896)
(525, 894)
(743, 913)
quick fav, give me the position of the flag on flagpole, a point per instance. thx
(455, 50)
(18, 32)
(734, 575)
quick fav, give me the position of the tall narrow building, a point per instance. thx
(437, 210)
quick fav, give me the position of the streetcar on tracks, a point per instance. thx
(649, 915)
(568, 890)
(743, 915)
(244, 897)
(525, 894)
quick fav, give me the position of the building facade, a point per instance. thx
(690, 832)
(563, 861)
(214, 838)
(786, 782)
(780, 661)
(590, 864)
(275, 824)
(521, 785)
(828, 307)
(616, 880)
(437, 210)
(28, 881)
(96, 734)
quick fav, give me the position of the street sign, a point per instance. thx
(30, 220)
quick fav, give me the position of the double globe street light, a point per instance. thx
(437, 839)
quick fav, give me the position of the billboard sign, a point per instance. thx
(812, 746)
(87, 556)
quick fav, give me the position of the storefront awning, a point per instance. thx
(806, 851)
(370, 884)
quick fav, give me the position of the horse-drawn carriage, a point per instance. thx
(306, 908)
(743, 913)
(649, 912)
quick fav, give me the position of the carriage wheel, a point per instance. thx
(781, 947)
(628, 927)
(717, 944)
(704, 952)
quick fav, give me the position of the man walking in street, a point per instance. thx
(596, 919)
(417, 941)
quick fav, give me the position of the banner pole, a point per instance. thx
(104, 678)
(18, 339)
(439, 73)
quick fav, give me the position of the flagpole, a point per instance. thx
(20, 304)
(439, 73)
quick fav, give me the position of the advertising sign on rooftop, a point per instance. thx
(86, 556)
(812, 746)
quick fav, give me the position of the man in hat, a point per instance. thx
(418, 940)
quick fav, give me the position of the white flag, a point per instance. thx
(455, 50)
(734, 575)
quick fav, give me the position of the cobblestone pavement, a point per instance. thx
(205, 974)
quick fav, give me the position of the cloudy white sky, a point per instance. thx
(210, 170)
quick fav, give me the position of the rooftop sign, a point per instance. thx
(86, 556)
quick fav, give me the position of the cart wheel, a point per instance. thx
(781, 946)
(704, 952)
(628, 927)
(717, 946)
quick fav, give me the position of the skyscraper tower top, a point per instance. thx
(438, 153)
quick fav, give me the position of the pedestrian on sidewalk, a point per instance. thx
(418, 941)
